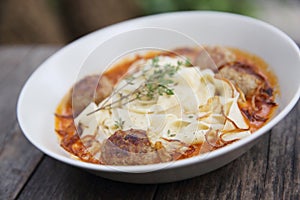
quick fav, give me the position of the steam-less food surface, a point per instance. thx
(29, 173)
(165, 106)
(46, 87)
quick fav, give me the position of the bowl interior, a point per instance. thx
(45, 88)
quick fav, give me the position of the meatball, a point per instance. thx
(207, 57)
(243, 76)
(90, 89)
(131, 147)
(190, 53)
(219, 55)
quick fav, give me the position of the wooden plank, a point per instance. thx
(283, 169)
(16, 65)
(18, 157)
(254, 175)
(270, 170)
(52, 177)
(241, 179)
(10, 59)
(55, 180)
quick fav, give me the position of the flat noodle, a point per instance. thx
(209, 121)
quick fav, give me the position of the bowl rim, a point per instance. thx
(173, 164)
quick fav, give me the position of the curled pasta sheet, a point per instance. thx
(201, 103)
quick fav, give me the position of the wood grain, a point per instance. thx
(283, 167)
(54, 180)
(10, 60)
(18, 160)
(269, 170)
(18, 157)
(241, 179)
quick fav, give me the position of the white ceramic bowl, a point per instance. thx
(48, 84)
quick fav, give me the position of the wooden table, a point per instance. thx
(270, 170)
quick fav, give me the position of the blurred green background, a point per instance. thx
(245, 7)
(62, 21)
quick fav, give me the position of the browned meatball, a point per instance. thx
(90, 89)
(214, 57)
(131, 147)
(207, 57)
(190, 53)
(242, 75)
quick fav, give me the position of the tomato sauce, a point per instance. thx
(69, 136)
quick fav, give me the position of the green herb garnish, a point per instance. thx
(188, 62)
(155, 61)
(157, 82)
(119, 124)
(169, 133)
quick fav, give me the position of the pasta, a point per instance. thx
(165, 107)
